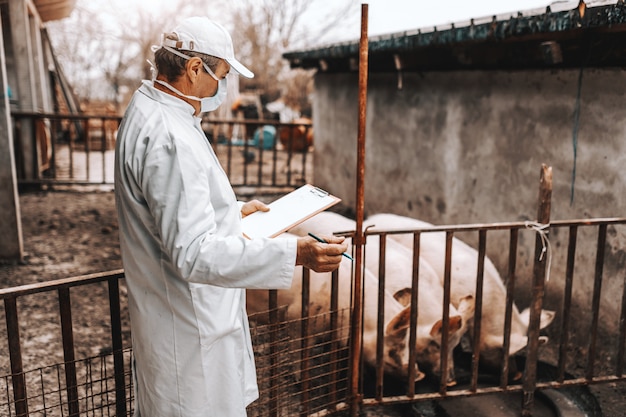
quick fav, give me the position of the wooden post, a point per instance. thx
(11, 244)
(538, 288)
(357, 308)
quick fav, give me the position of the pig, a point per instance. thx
(430, 308)
(324, 223)
(463, 281)
(396, 316)
(398, 281)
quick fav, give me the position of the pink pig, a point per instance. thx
(463, 281)
(398, 281)
(396, 317)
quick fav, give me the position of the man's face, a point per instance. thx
(209, 84)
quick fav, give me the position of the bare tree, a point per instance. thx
(264, 30)
(104, 49)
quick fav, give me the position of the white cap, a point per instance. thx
(200, 34)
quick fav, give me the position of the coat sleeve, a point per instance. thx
(198, 221)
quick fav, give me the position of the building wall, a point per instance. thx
(467, 147)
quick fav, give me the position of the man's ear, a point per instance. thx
(193, 68)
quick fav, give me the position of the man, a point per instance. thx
(186, 261)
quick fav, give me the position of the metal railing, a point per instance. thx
(78, 150)
(303, 370)
(66, 385)
(564, 357)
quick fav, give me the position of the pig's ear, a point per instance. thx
(518, 342)
(399, 324)
(456, 322)
(467, 305)
(403, 296)
(546, 317)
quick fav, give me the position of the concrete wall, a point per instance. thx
(467, 147)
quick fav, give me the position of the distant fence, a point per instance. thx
(78, 150)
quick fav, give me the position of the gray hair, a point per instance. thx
(172, 66)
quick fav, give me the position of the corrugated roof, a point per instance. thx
(561, 34)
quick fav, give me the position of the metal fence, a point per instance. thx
(304, 363)
(585, 359)
(58, 383)
(78, 150)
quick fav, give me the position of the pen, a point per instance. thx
(319, 239)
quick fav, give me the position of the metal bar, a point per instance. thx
(259, 180)
(380, 325)
(508, 313)
(622, 335)
(480, 266)
(538, 288)
(34, 151)
(116, 342)
(53, 157)
(20, 396)
(87, 141)
(305, 151)
(445, 315)
(275, 157)
(289, 153)
(230, 149)
(304, 370)
(355, 396)
(71, 149)
(71, 385)
(18, 114)
(273, 320)
(414, 314)
(244, 156)
(501, 226)
(104, 148)
(7, 293)
(567, 302)
(595, 307)
(334, 332)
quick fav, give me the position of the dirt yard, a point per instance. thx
(65, 234)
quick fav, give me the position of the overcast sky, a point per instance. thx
(389, 16)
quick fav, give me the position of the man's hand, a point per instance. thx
(320, 257)
(252, 206)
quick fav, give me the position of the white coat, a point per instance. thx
(187, 264)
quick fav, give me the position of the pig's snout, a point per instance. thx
(451, 377)
(419, 375)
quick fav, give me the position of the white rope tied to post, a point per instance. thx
(546, 249)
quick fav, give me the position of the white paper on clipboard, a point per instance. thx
(287, 212)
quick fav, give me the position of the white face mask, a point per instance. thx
(207, 104)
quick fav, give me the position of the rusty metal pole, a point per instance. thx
(538, 288)
(357, 308)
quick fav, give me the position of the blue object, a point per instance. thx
(265, 142)
(268, 138)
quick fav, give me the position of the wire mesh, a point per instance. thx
(48, 392)
(300, 374)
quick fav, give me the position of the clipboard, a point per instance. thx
(287, 211)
